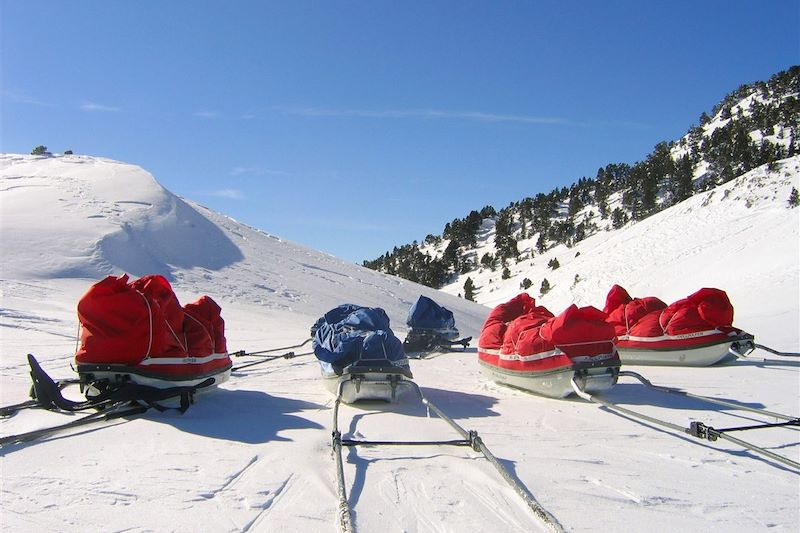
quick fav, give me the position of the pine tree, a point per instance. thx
(682, 182)
(39, 150)
(541, 243)
(469, 290)
(545, 288)
(618, 218)
(451, 255)
(488, 261)
(794, 198)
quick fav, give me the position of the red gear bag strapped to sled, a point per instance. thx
(521, 336)
(142, 325)
(704, 310)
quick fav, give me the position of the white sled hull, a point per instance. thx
(118, 376)
(700, 356)
(365, 387)
(556, 383)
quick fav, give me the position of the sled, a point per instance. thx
(694, 331)
(681, 350)
(524, 346)
(432, 328)
(137, 332)
(359, 356)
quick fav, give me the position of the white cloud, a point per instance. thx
(24, 99)
(421, 114)
(231, 194)
(207, 114)
(257, 171)
(94, 106)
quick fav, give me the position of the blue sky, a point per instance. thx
(352, 127)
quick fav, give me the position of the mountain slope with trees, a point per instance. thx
(755, 125)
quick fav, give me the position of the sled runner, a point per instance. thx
(359, 355)
(523, 345)
(432, 329)
(694, 331)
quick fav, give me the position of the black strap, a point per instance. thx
(152, 395)
(48, 394)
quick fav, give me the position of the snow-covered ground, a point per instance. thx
(255, 454)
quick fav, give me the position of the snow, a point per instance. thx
(255, 455)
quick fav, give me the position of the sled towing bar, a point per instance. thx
(736, 350)
(698, 429)
(267, 359)
(776, 352)
(470, 438)
(702, 431)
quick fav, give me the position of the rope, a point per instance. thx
(288, 355)
(343, 509)
(242, 353)
(795, 422)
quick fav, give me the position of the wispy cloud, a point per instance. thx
(424, 114)
(95, 107)
(230, 194)
(21, 98)
(207, 114)
(256, 171)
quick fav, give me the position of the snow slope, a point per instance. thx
(741, 237)
(255, 455)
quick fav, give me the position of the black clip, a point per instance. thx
(702, 431)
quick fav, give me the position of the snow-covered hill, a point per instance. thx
(255, 454)
(67, 217)
(742, 237)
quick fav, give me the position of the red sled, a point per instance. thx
(695, 331)
(524, 346)
(138, 332)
